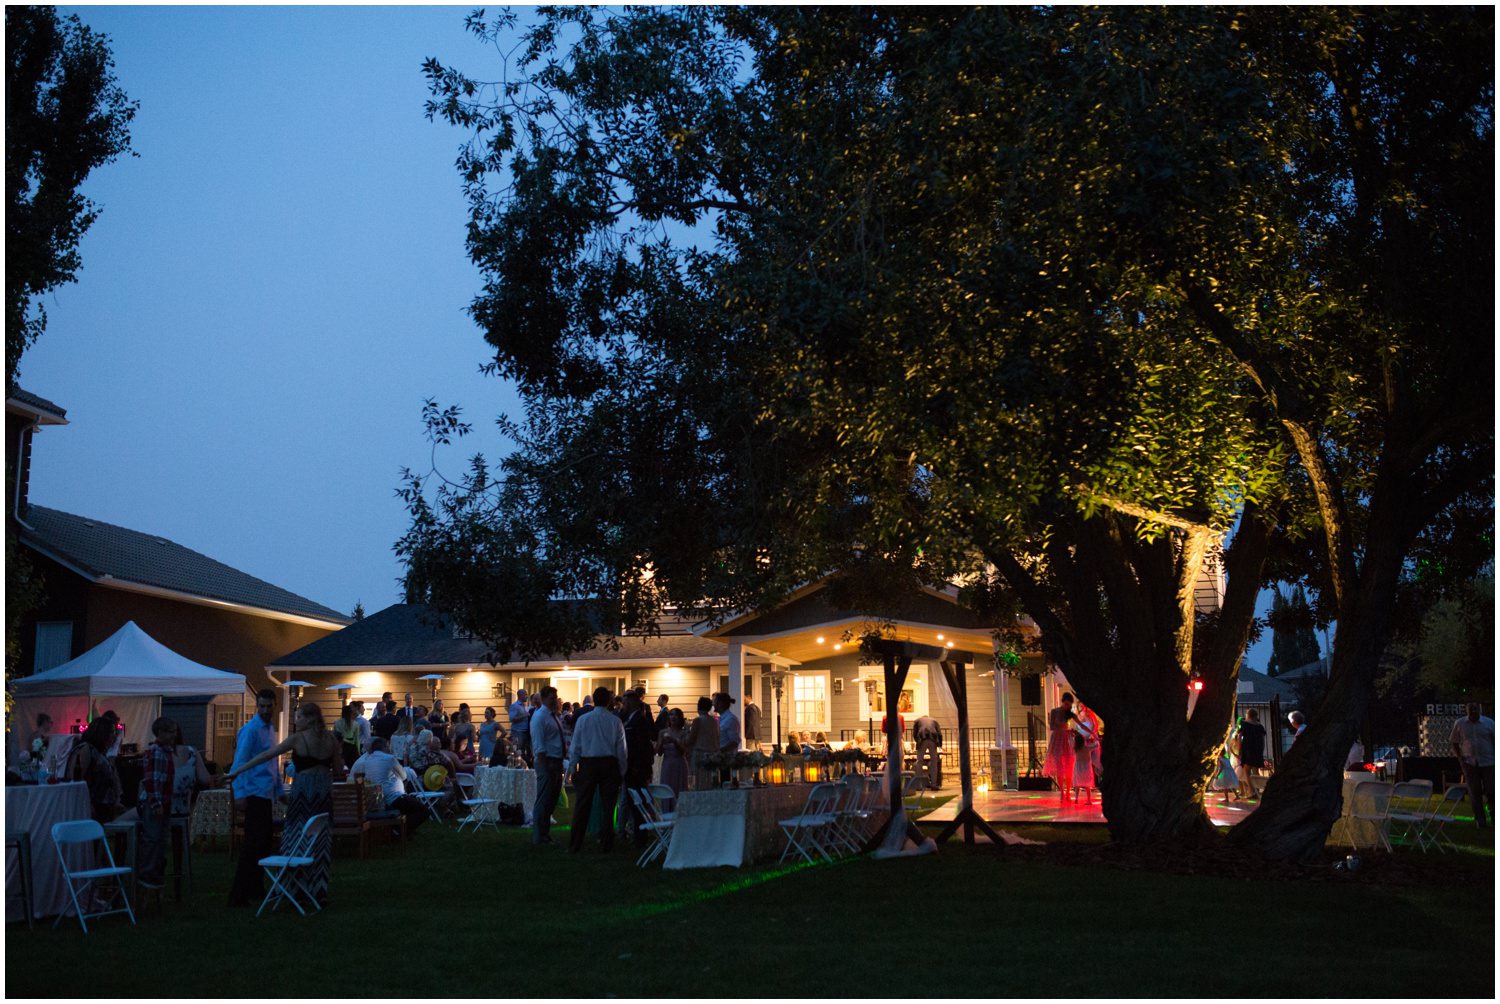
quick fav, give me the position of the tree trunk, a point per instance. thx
(1153, 779)
(1305, 795)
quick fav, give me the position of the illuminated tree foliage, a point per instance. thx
(917, 296)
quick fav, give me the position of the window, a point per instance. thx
(810, 701)
(54, 645)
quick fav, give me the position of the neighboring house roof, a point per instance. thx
(1256, 687)
(409, 634)
(128, 559)
(23, 402)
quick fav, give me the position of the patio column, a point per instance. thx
(1003, 766)
(737, 684)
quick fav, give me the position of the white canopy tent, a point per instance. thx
(129, 672)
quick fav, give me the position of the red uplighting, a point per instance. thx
(1197, 684)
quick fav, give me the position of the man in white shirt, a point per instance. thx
(1473, 739)
(598, 754)
(362, 726)
(386, 774)
(729, 729)
(549, 748)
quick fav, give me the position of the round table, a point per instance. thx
(507, 786)
(32, 809)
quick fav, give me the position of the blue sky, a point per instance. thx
(275, 285)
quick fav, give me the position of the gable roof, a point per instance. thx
(128, 559)
(410, 634)
(23, 402)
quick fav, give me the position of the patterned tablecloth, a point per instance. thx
(33, 808)
(211, 813)
(732, 826)
(1363, 833)
(507, 785)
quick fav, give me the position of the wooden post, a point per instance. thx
(953, 673)
(897, 657)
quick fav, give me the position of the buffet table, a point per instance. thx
(506, 785)
(732, 826)
(32, 809)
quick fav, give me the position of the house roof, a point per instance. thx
(128, 559)
(1256, 687)
(23, 402)
(409, 634)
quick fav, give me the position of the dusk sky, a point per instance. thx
(275, 285)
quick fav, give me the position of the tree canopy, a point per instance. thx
(1040, 300)
(65, 114)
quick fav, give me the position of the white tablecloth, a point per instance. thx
(33, 808)
(507, 785)
(1350, 830)
(731, 826)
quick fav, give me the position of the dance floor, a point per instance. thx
(1045, 807)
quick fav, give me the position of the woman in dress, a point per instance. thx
(347, 731)
(89, 763)
(463, 737)
(1085, 745)
(437, 721)
(702, 742)
(488, 729)
(1059, 762)
(316, 754)
(672, 745)
(189, 775)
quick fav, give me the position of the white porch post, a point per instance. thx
(737, 684)
(1002, 707)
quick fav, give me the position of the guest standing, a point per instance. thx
(673, 746)
(549, 750)
(928, 736)
(154, 802)
(520, 725)
(488, 729)
(702, 742)
(254, 791)
(600, 758)
(1473, 741)
(1059, 762)
(348, 734)
(663, 715)
(1252, 752)
(191, 774)
(438, 721)
(362, 726)
(315, 755)
(89, 762)
(752, 723)
(640, 754)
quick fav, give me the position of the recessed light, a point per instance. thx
(837, 647)
(820, 639)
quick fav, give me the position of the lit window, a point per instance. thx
(810, 701)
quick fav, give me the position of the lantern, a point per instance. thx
(777, 769)
(812, 770)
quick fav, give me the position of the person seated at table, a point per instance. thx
(388, 777)
(426, 753)
(463, 736)
(90, 763)
(859, 742)
(793, 748)
(820, 743)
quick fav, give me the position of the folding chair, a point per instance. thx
(83, 833)
(661, 796)
(1442, 814)
(482, 811)
(804, 832)
(659, 828)
(285, 870)
(1409, 808)
(1371, 804)
(852, 814)
(428, 798)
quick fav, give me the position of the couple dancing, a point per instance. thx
(1073, 760)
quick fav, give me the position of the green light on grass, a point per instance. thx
(640, 911)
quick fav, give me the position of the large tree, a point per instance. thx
(65, 114)
(915, 295)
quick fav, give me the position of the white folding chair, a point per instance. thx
(659, 828)
(285, 870)
(83, 833)
(1409, 809)
(482, 811)
(1372, 804)
(805, 831)
(1442, 814)
(662, 795)
(428, 798)
(854, 814)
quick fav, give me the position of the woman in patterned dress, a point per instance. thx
(673, 746)
(315, 756)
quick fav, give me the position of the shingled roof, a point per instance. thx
(409, 634)
(23, 401)
(103, 552)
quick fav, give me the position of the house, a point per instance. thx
(96, 576)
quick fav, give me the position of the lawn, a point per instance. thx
(487, 914)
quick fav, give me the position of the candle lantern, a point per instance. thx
(812, 770)
(776, 772)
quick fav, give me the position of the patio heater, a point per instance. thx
(777, 675)
(295, 686)
(343, 689)
(434, 680)
(870, 686)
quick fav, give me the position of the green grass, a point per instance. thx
(963, 922)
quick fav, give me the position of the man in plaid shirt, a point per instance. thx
(159, 765)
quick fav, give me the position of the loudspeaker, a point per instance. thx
(1031, 691)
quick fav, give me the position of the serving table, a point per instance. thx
(32, 809)
(732, 826)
